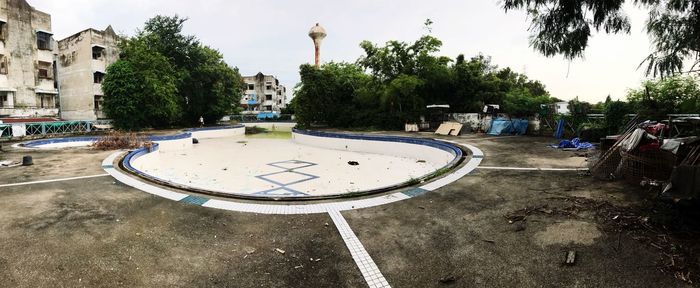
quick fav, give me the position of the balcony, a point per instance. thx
(45, 56)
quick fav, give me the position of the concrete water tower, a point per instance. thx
(317, 33)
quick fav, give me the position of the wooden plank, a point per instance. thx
(444, 129)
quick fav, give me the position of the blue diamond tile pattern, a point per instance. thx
(288, 167)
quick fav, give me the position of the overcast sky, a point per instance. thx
(271, 36)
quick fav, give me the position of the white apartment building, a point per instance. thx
(27, 61)
(263, 93)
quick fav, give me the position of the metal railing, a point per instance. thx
(53, 128)
(5, 131)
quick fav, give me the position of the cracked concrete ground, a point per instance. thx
(98, 233)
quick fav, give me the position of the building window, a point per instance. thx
(267, 108)
(251, 86)
(279, 101)
(45, 70)
(98, 77)
(97, 52)
(43, 40)
(3, 31)
(279, 93)
(268, 97)
(3, 99)
(268, 87)
(98, 102)
(3, 64)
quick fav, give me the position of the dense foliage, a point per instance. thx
(674, 95)
(392, 84)
(166, 78)
(140, 89)
(564, 27)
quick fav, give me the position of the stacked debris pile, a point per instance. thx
(655, 154)
(118, 140)
(636, 155)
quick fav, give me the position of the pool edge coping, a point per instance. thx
(285, 208)
(458, 157)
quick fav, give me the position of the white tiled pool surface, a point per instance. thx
(242, 165)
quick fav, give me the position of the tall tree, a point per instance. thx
(564, 28)
(207, 86)
(140, 88)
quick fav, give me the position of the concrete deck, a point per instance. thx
(95, 232)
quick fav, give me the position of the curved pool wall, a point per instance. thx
(427, 149)
(273, 126)
(166, 142)
(407, 147)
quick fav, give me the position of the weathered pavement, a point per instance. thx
(94, 232)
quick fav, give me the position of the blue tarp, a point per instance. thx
(574, 143)
(500, 126)
(560, 129)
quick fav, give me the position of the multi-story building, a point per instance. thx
(263, 93)
(82, 61)
(27, 67)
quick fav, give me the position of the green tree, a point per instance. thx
(657, 98)
(140, 89)
(392, 84)
(329, 95)
(615, 116)
(206, 85)
(564, 27)
(212, 88)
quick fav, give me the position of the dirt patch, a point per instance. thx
(69, 215)
(568, 232)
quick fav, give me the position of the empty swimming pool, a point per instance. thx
(293, 166)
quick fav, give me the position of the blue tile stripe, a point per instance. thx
(415, 192)
(454, 150)
(194, 200)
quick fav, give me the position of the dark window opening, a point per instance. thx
(268, 97)
(43, 40)
(97, 52)
(98, 77)
(251, 86)
(3, 64)
(268, 87)
(45, 70)
(3, 31)
(98, 102)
